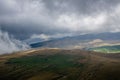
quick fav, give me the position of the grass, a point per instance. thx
(104, 50)
(107, 49)
(57, 60)
(59, 65)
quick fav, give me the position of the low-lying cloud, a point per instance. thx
(48, 37)
(9, 44)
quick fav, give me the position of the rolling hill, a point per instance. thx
(59, 64)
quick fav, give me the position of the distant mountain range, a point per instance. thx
(80, 42)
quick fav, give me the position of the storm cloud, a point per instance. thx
(25, 18)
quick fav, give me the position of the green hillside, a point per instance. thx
(107, 49)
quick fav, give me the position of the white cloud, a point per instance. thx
(41, 36)
(9, 44)
(46, 37)
(82, 23)
(58, 16)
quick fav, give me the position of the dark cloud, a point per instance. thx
(23, 18)
(80, 6)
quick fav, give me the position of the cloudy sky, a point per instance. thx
(37, 18)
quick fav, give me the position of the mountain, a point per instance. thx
(81, 41)
(34, 40)
(59, 64)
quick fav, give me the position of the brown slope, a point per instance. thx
(97, 66)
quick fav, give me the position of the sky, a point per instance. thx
(26, 19)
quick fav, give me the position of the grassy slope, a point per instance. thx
(107, 49)
(55, 64)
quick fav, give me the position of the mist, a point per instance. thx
(9, 44)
